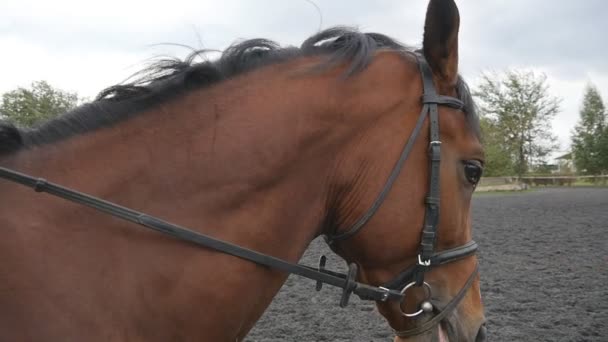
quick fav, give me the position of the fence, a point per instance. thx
(500, 184)
(565, 180)
(515, 183)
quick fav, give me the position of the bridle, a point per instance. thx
(427, 257)
(394, 290)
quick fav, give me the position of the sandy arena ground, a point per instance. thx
(544, 273)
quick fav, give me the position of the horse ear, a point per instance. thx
(440, 43)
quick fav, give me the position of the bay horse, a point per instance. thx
(262, 151)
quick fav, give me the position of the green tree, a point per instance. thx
(520, 107)
(498, 151)
(603, 147)
(590, 137)
(30, 106)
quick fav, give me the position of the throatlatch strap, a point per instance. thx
(387, 186)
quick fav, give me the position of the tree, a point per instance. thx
(520, 107)
(498, 151)
(590, 137)
(28, 107)
(603, 147)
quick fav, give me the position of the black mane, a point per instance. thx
(169, 78)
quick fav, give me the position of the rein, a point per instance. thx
(322, 276)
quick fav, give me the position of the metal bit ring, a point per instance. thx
(425, 303)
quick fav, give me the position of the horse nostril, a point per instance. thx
(481, 334)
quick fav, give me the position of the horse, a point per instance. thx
(352, 136)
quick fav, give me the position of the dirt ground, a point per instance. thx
(544, 273)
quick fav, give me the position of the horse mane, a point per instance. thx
(171, 77)
(10, 138)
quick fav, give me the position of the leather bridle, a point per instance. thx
(394, 290)
(427, 257)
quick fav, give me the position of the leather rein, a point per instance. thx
(394, 290)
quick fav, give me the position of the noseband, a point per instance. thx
(395, 290)
(427, 257)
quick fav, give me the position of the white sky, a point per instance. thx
(85, 46)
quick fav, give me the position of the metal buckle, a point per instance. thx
(425, 263)
(385, 294)
(435, 150)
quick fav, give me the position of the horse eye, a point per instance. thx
(473, 171)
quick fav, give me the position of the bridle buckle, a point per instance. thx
(425, 263)
(385, 294)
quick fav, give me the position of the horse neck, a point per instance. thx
(246, 161)
(218, 149)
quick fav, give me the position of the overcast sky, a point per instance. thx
(85, 46)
